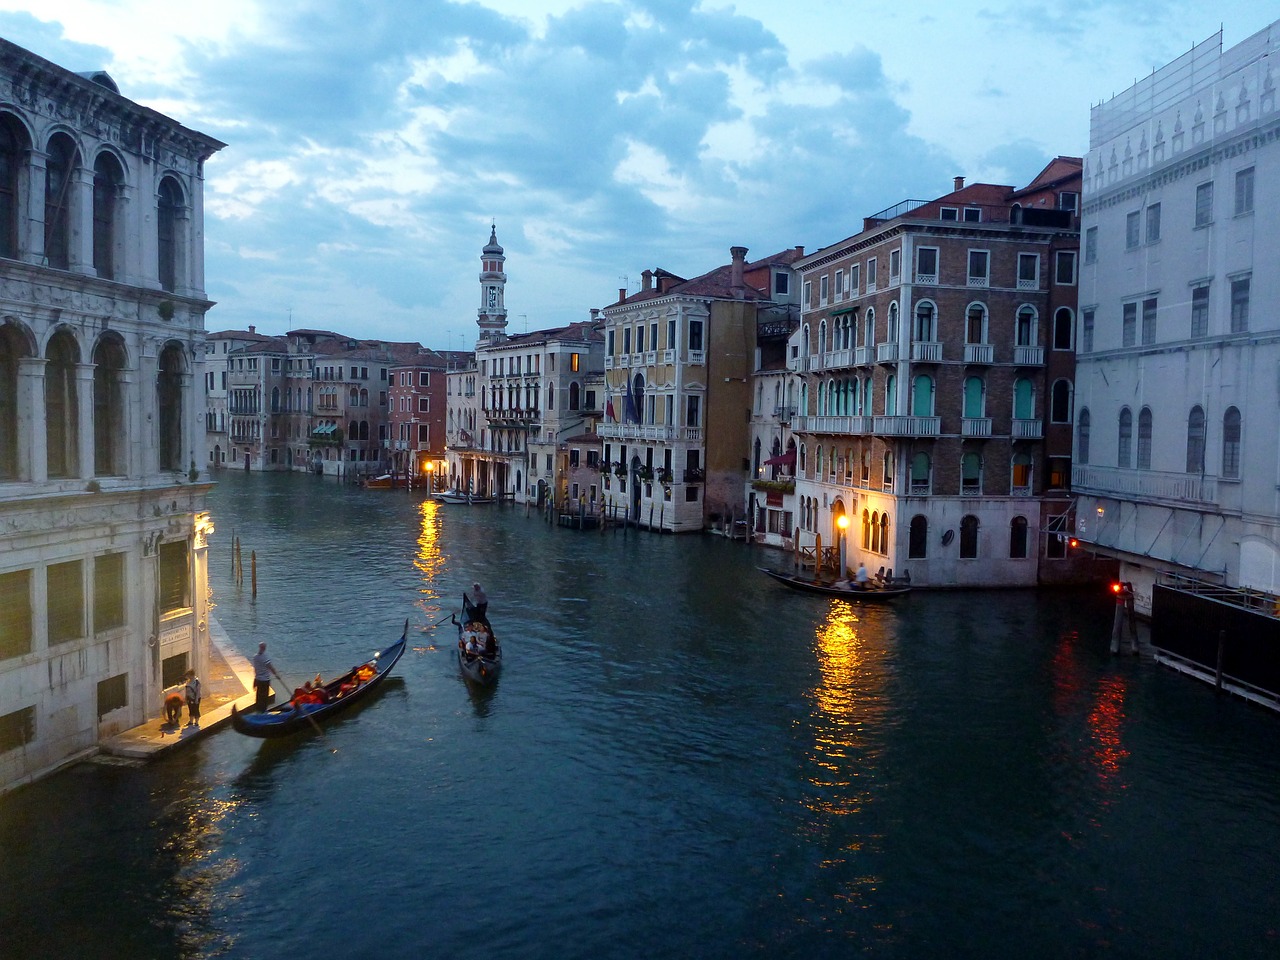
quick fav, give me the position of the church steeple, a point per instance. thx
(492, 315)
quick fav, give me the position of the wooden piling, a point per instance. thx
(253, 573)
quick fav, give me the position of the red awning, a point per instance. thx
(787, 459)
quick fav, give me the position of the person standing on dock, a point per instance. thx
(262, 671)
(192, 695)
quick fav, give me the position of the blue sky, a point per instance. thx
(371, 143)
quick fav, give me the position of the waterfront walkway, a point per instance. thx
(227, 680)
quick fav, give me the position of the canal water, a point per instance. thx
(681, 760)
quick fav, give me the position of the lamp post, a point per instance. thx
(842, 522)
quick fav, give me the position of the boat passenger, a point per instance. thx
(490, 645)
(861, 576)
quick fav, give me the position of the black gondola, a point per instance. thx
(479, 653)
(287, 718)
(872, 592)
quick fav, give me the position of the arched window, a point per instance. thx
(926, 329)
(822, 336)
(63, 157)
(891, 396)
(1024, 402)
(755, 458)
(169, 406)
(1060, 402)
(869, 328)
(866, 466)
(888, 470)
(1018, 538)
(975, 393)
(353, 399)
(875, 531)
(971, 473)
(804, 349)
(1195, 440)
(817, 460)
(108, 408)
(60, 405)
(1082, 437)
(968, 537)
(13, 151)
(575, 396)
(804, 459)
(107, 180)
(1022, 474)
(884, 533)
(892, 336)
(1064, 325)
(1231, 444)
(922, 396)
(1124, 442)
(364, 397)
(975, 324)
(866, 530)
(920, 474)
(1025, 327)
(168, 211)
(275, 399)
(918, 538)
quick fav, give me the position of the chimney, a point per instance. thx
(622, 294)
(959, 181)
(595, 314)
(251, 330)
(646, 281)
(799, 249)
(739, 255)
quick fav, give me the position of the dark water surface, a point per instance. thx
(681, 759)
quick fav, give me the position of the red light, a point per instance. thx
(1073, 543)
(1115, 588)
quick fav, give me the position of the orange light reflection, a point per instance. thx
(430, 559)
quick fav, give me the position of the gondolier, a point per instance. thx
(263, 668)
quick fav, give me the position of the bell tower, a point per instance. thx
(492, 315)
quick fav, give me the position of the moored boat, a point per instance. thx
(355, 685)
(384, 482)
(479, 653)
(871, 592)
(453, 496)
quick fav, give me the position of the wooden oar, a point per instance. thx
(319, 729)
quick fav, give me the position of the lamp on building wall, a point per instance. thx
(842, 522)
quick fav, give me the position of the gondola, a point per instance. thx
(872, 593)
(284, 719)
(479, 652)
(452, 496)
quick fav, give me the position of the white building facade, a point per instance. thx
(103, 573)
(1178, 382)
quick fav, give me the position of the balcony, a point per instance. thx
(649, 431)
(837, 358)
(697, 357)
(1028, 284)
(979, 353)
(1028, 356)
(930, 278)
(925, 351)
(861, 356)
(975, 427)
(784, 414)
(979, 281)
(887, 352)
(650, 357)
(1027, 429)
(1144, 484)
(906, 426)
(842, 425)
(695, 476)
(668, 356)
(608, 363)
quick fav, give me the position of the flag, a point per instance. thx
(630, 411)
(608, 410)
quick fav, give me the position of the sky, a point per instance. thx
(372, 143)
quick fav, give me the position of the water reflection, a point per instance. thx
(430, 559)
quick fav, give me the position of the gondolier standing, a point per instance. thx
(480, 603)
(262, 671)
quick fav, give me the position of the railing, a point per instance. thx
(649, 431)
(1027, 429)
(784, 413)
(608, 363)
(975, 427)
(925, 351)
(861, 356)
(887, 352)
(979, 281)
(697, 357)
(837, 358)
(824, 424)
(978, 353)
(931, 278)
(694, 476)
(1028, 356)
(1021, 491)
(1025, 284)
(650, 357)
(907, 426)
(1144, 484)
(669, 356)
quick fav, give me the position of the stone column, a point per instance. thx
(84, 419)
(31, 226)
(33, 455)
(80, 221)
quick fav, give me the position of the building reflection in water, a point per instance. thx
(849, 708)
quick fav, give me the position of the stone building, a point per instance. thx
(936, 364)
(103, 574)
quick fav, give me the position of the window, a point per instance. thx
(693, 411)
(15, 614)
(871, 274)
(112, 694)
(920, 474)
(424, 379)
(62, 159)
(424, 404)
(65, 601)
(1022, 474)
(1195, 440)
(808, 293)
(108, 592)
(1086, 331)
(918, 538)
(895, 265)
(1129, 325)
(1018, 538)
(168, 206)
(839, 285)
(781, 283)
(1024, 399)
(1028, 271)
(17, 729)
(1200, 311)
(1149, 320)
(949, 213)
(823, 282)
(979, 268)
(1063, 328)
(1132, 228)
(927, 265)
(926, 323)
(854, 272)
(13, 150)
(974, 398)
(107, 182)
(1144, 439)
(1082, 436)
(1060, 402)
(1240, 304)
(1067, 200)
(972, 215)
(1244, 192)
(971, 473)
(1153, 223)
(1231, 444)
(1065, 267)
(61, 406)
(424, 434)
(969, 537)
(1124, 444)
(887, 474)
(1091, 245)
(169, 405)
(1025, 326)
(1204, 204)
(975, 327)
(695, 334)
(175, 582)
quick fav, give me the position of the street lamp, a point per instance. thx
(842, 522)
